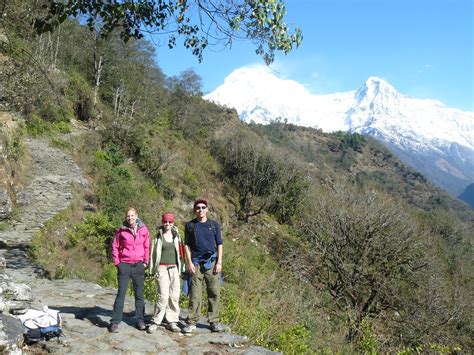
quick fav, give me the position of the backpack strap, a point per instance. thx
(214, 228)
(191, 229)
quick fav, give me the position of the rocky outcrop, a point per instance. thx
(84, 307)
(8, 130)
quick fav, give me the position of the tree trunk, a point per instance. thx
(98, 65)
(55, 58)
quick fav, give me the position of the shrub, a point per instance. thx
(37, 127)
(295, 340)
(263, 180)
(15, 146)
(81, 95)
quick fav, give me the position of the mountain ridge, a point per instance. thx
(417, 129)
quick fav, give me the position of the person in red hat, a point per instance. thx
(165, 265)
(203, 255)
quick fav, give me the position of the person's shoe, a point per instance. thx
(173, 327)
(189, 328)
(216, 327)
(141, 324)
(114, 328)
(152, 328)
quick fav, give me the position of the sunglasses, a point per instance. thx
(168, 222)
(199, 208)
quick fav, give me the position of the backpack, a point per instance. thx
(180, 244)
(42, 333)
(41, 325)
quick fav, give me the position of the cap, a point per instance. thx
(200, 200)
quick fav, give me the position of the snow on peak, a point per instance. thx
(259, 94)
(375, 88)
(374, 100)
(249, 88)
(423, 128)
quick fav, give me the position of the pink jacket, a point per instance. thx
(131, 249)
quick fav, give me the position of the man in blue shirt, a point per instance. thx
(203, 255)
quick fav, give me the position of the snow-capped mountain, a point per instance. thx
(435, 139)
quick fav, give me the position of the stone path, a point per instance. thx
(48, 192)
(85, 307)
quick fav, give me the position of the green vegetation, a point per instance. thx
(263, 178)
(331, 243)
(36, 126)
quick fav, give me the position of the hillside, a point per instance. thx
(468, 195)
(361, 159)
(331, 243)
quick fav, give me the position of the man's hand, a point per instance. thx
(191, 268)
(217, 268)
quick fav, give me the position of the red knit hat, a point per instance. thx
(200, 200)
(167, 217)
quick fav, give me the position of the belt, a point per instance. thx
(168, 267)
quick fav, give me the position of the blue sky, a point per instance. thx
(424, 48)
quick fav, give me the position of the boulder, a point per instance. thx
(11, 334)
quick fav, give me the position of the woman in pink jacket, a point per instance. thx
(130, 253)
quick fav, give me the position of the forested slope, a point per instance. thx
(331, 243)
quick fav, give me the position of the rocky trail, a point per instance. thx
(85, 307)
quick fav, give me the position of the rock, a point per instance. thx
(17, 310)
(23, 198)
(17, 292)
(5, 204)
(3, 263)
(11, 334)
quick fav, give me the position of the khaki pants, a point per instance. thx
(168, 295)
(195, 295)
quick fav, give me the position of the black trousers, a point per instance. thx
(136, 272)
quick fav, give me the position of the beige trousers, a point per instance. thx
(168, 295)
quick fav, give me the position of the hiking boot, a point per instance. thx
(152, 328)
(189, 328)
(173, 327)
(114, 328)
(216, 327)
(141, 324)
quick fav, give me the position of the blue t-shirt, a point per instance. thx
(205, 241)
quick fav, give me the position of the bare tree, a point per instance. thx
(362, 249)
